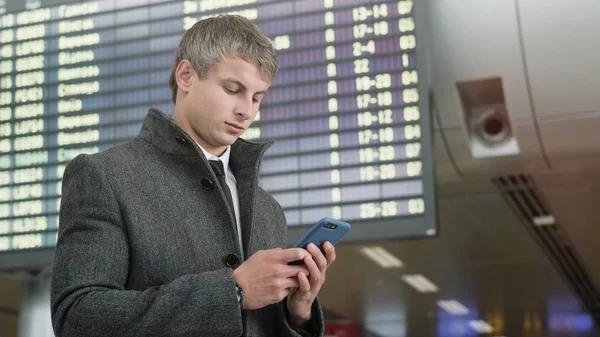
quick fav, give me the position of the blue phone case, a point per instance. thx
(324, 230)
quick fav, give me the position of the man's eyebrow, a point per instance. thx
(237, 82)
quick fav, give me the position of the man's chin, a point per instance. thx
(227, 141)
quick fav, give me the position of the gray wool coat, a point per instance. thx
(146, 245)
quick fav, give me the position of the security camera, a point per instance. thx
(490, 124)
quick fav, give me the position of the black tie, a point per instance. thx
(217, 167)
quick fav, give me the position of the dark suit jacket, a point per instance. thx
(146, 245)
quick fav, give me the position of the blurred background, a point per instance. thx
(458, 137)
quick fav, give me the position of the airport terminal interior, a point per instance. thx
(459, 138)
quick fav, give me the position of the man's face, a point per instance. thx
(220, 107)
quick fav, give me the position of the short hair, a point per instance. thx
(212, 39)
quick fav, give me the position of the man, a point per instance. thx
(169, 234)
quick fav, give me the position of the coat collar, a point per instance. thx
(165, 134)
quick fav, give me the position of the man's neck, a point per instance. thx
(217, 152)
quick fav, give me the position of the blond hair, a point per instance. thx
(210, 40)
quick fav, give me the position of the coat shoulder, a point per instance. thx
(131, 149)
(118, 157)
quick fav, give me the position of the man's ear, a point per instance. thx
(184, 75)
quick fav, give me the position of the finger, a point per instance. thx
(291, 282)
(291, 254)
(304, 283)
(293, 271)
(315, 273)
(317, 256)
(330, 252)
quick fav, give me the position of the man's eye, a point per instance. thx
(231, 91)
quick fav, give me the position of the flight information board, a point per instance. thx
(347, 109)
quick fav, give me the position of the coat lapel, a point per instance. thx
(245, 163)
(246, 186)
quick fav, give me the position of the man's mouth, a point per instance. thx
(236, 126)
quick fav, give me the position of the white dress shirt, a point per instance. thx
(232, 184)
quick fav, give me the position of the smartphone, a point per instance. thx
(324, 230)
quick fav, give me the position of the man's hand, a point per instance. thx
(266, 277)
(300, 301)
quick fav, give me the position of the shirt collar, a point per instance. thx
(224, 158)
